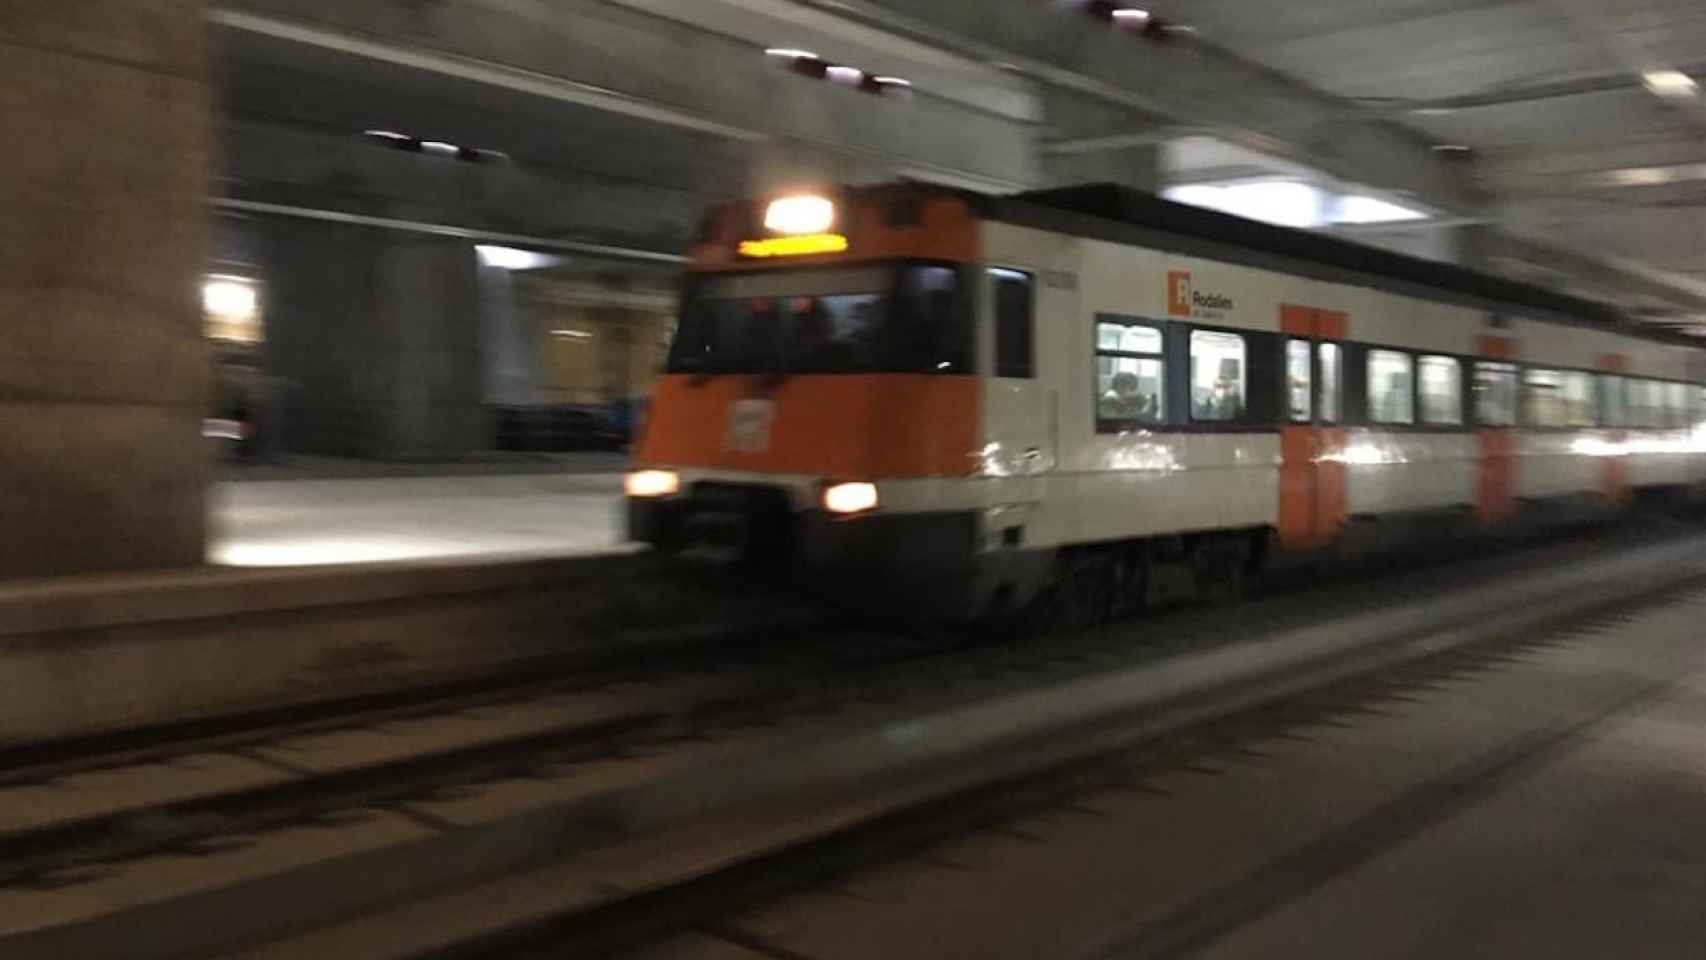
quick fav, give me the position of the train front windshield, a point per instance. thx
(907, 318)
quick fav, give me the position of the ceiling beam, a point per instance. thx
(602, 56)
(1186, 81)
(1508, 96)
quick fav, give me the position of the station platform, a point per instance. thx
(313, 512)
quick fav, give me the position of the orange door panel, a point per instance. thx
(1312, 471)
(1495, 494)
(1614, 470)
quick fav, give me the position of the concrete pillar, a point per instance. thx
(103, 364)
(430, 309)
(377, 335)
(509, 343)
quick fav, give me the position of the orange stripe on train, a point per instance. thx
(1312, 472)
(1495, 488)
(853, 426)
(1614, 471)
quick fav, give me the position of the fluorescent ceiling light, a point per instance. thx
(1285, 203)
(1357, 209)
(1656, 176)
(512, 258)
(790, 53)
(1670, 83)
(230, 298)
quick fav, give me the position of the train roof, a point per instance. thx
(1121, 214)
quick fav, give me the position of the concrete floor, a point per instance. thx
(1550, 805)
(370, 519)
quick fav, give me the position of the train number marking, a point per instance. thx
(749, 426)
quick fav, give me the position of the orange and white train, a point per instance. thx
(948, 404)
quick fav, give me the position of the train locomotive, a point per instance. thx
(943, 404)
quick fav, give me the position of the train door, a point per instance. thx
(1019, 419)
(1312, 441)
(1015, 421)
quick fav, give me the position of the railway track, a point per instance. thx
(473, 782)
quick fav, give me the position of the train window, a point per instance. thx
(1660, 403)
(1217, 376)
(1577, 393)
(1014, 306)
(1613, 401)
(1543, 398)
(1644, 405)
(905, 319)
(1131, 376)
(1495, 394)
(832, 332)
(930, 322)
(1441, 381)
(1676, 405)
(1332, 382)
(1298, 391)
(1126, 338)
(1656, 416)
(1391, 387)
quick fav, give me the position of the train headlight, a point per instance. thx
(847, 499)
(651, 484)
(799, 216)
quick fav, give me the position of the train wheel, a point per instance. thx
(1223, 565)
(1083, 593)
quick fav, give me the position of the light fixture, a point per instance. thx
(1671, 84)
(1452, 148)
(511, 258)
(808, 64)
(442, 148)
(577, 335)
(1135, 20)
(1285, 203)
(652, 484)
(1639, 177)
(1363, 210)
(796, 216)
(230, 298)
(847, 499)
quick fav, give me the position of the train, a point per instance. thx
(943, 404)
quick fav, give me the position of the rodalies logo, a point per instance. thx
(1185, 300)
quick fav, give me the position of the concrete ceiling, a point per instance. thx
(1568, 147)
(1548, 93)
